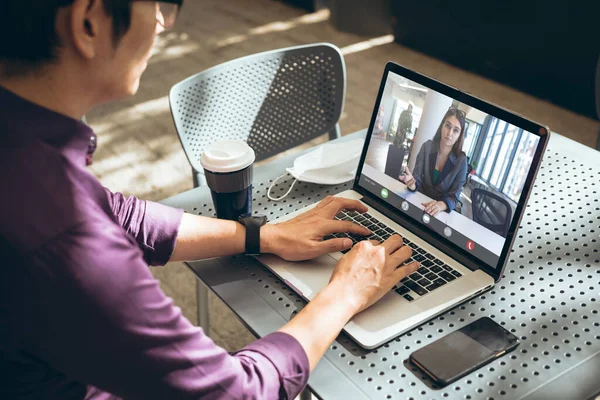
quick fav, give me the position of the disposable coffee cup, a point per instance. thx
(228, 167)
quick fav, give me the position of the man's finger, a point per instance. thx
(316, 208)
(324, 202)
(333, 245)
(392, 244)
(401, 255)
(334, 226)
(404, 270)
(333, 208)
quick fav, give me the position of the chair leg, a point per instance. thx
(598, 141)
(305, 395)
(335, 132)
(202, 303)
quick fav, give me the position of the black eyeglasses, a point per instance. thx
(167, 12)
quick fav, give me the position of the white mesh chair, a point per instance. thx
(274, 100)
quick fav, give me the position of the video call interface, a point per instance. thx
(453, 168)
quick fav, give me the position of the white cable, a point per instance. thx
(286, 193)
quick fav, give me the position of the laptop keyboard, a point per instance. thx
(432, 273)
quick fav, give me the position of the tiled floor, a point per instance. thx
(139, 153)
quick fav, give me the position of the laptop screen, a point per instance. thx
(452, 168)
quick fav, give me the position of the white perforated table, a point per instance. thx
(549, 296)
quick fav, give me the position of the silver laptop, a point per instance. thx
(463, 252)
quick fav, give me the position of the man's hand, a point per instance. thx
(364, 275)
(370, 270)
(434, 207)
(301, 238)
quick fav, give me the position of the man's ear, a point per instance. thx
(87, 24)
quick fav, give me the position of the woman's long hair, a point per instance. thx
(460, 116)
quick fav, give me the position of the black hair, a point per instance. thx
(458, 145)
(28, 38)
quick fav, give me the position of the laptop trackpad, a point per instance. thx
(314, 274)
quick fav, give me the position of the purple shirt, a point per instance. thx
(80, 314)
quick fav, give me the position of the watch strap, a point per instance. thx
(253, 225)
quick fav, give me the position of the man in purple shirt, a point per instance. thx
(81, 316)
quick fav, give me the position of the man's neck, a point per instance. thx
(49, 90)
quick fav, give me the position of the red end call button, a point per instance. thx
(470, 245)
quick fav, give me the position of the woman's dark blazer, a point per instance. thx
(452, 177)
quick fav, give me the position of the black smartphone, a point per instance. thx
(463, 351)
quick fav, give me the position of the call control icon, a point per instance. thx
(470, 245)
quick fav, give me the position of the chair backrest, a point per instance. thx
(491, 211)
(274, 100)
(394, 160)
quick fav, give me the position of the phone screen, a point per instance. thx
(464, 350)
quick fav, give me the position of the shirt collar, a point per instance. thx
(24, 121)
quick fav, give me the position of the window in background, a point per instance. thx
(472, 130)
(515, 179)
(486, 144)
(507, 154)
(503, 156)
(490, 157)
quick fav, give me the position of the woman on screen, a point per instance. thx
(440, 171)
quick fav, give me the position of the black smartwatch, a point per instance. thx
(252, 224)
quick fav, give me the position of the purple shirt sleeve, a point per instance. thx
(154, 226)
(106, 322)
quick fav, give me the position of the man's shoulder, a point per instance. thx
(41, 194)
(31, 169)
